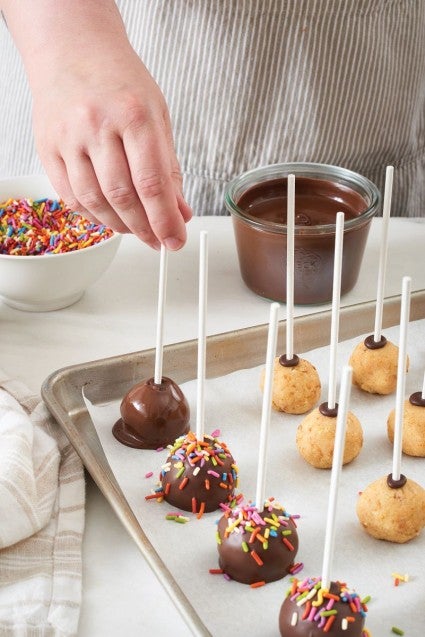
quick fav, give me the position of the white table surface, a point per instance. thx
(121, 595)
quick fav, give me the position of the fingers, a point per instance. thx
(151, 170)
(113, 160)
(102, 184)
(146, 201)
(56, 169)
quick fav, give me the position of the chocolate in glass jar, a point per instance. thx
(257, 201)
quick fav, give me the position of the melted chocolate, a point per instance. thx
(152, 415)
(269, 564)
(396, 484)
(262, 253)
(316, 201)
(416, 399)
(309, 627)
(203, 484)
(326, 411)
(291, 362)
(372, 344)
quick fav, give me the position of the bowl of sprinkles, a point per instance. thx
(49, 254)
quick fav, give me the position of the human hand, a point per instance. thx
(103, 133)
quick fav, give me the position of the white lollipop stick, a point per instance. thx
(202, 312)
(290, 224)
(266, 410)
(338, 455)
(383, 253)
(401, 377)
(336, 302)
(423, 389)
(160, 316)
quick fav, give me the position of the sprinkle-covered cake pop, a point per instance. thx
(199, 475)
(256, 547)
(413, 440)
(311, 611)
(317, 606)
(152, 415)
(258, 544)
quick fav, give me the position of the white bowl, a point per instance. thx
(49, 282)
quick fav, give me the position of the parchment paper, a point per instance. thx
(233, 405)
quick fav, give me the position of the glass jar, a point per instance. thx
(257, 202)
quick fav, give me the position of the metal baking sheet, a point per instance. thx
(112, 377)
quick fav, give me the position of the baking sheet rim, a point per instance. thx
(101, 472)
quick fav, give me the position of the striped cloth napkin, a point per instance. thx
(41, 520)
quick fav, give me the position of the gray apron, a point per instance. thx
(252, 82)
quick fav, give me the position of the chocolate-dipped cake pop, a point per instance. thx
(393, 508)
(316, 433)
(257, 546)
(296, 383)
(199, 475)
(374, 360)
(413, 441)
(311, 611)
(317, 606)
(154, 412)
(152, 415)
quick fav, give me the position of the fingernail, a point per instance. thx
(172, 243)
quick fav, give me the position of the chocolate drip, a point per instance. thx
(289, 362)
(372, 344)
(416, 399)
(326, 411)
(396, 484)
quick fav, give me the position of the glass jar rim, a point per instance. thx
(337, 174)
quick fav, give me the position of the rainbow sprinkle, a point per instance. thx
(258, 529)
(274, 521)
(177, 517)
(189, 456)
(45, 226)
(317, 604)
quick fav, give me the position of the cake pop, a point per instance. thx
(316, 606)
(296, 384)
(257, 546)
(316, 433)
(200, 473)
(374, 360)
(258, 543)
(311, 611)
(413, 443)
(393, 508)
(154, 412)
